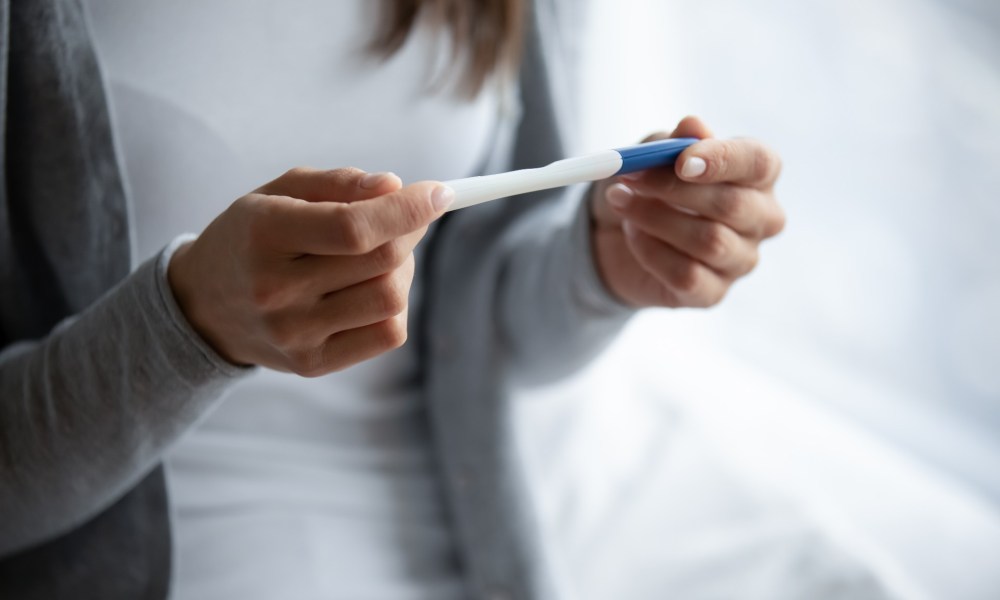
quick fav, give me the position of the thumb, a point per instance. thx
(331, 185)
(689, 126)
(692, 126)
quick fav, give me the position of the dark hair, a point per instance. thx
(488, 32)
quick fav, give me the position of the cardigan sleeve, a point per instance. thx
(90, 409)
(99, 371)
(553, 311)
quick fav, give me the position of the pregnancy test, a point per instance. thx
(601, 165)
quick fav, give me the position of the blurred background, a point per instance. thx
(832, 430)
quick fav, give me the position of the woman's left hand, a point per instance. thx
(682, 236)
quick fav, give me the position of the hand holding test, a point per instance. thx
(592, 167)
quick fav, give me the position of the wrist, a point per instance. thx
(177, 277)
(182, 278)
(594, 287)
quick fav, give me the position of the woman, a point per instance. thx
(394, 477)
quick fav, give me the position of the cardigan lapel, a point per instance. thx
(64, 242)
(64, 221)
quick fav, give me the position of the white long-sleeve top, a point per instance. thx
(295, 488)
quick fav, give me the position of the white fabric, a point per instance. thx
(296, 488)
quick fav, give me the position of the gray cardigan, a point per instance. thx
(100, 373)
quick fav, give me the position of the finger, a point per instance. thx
(318, 275)
(331, 228)
(364, 303)
(308, 325)
(354, 346)
(605, 196)
(686, 281)
(744, 162)
(348, 348)
(746, 210)
(710, 242)
(332, 185)
(691, 126)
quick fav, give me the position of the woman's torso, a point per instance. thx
(293, 487)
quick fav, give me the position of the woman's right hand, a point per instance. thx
(309, 273)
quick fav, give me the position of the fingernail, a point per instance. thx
(694, 167)
(619, 196)
(631, 177)
(373, 180)
(442, 197)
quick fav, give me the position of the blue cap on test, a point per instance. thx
(660, 153)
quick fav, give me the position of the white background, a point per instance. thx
(833, 429)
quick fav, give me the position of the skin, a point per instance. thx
(662, 238)
(311, 272)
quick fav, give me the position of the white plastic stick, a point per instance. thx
(475, 190)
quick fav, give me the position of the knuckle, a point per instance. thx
(766, 166)
(719, 164)
(392, 333)
(343, 176)
(686, 277)
(307, 363)
(729, 204)
(256, 217)
(389, 256)
(777, 222)
(705, 298)
(266, 294)
(397, 333)
(297, 173)
(704, 302)
(664, 296)
(714, 241)
(392, 296)
(354, 232)
(752, 260)
(280, 332)
(416, 212)
(347, 172)
(716, 297)
(247, 203)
